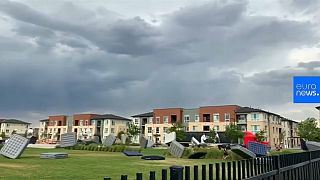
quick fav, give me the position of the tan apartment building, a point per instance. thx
(43, 129)
(141, 121)
(10, 126)
(83, 127)
(290, 133)
(57, 126)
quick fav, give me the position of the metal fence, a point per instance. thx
(298, 166)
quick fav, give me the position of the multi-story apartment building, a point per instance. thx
(141, 120)
(254, 120)
(10, 126)
(58, 125)
(43, 129)
(82, 125)
(289, 133)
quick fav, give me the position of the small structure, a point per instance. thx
(14, 147)
(53, 155)
(68, 139)
(176, 149)
(109, 141)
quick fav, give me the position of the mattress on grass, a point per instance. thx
(153, 158)
(243, 152)
(132, 153)
(53, 155)
(14, 147)
(68, 139)
(258, 148)
(312, 145)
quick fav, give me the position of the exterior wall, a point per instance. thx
(199, 126)
(221, 110)
(56, 127)
(161, 113)
(83, 127)
(8, 128)
(291, 138)
(114, 127)
(157, 137)
(43, 130)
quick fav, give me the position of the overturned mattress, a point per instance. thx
(153, 158)
(53, 155)
(243, 152)
(132, 153)
(312, 145)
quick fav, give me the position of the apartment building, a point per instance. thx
(57, 125)
(141, 120)
(43, 128)
(290, 133)
(254, 120)
(10, 126)
(82, 125)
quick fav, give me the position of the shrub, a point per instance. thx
(187, 152)
(214, 154)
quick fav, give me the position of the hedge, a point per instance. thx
(95, 147)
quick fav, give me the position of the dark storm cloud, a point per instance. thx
(196, 56)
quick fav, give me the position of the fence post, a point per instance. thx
(176, 173)
(152, 175)
(139, 176)
(310, 177)
(187, 173)
(164, 174)
(277, 163)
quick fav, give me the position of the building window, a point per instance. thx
(150, 120)
(149, 129)
(165, 120)
(157, 120)
(7, 130)
(227, 117)
(136, 121)
(113, 123)
(186, 118)
(86, 123)
(91, 130)
(112, 130)
(193, 128)
(157, 130)
(255, 128)
(216, 117)
(216, 128)
(51, 123)
(81, 122)
(8, 125)
(165, 130)
(196, 118)
(255, 116)
(206, 128)
(106, 130)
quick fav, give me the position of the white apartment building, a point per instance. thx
(10, 126)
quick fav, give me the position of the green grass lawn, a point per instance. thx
(86, 165)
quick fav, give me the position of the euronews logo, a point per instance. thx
(306, 89)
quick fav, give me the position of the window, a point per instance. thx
(186, 118)
(81, 122)
(86, 123)
(113, 123)
(50, 130)
(64, 129)
(157, 130)
(196, 118)
(165, 120)
(216, 128)
(112, 130)
(255, 116)
(55, 123)
(273, 130)
(136, 121)
(227, 117)
(255, 128)
(51, 123)
(149, 129)
(8, 125)
(193, 128)
(7, 130)
(157, 120)
(150, 120)
(106, 130)
(206, 128)
(91, 130)
(165, 130)
(265, 116)
(216, 117)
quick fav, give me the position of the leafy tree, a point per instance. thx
(212, 135)
(119, 134)
(261, 135)
(178, 128)
(3, 135)
(308, 130)
(233, 133)
(133, 130)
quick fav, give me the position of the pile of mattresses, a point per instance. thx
(243, 152)
(14, 147)
(257, 148)
(53, 155)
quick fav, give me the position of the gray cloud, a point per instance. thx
(200, 55)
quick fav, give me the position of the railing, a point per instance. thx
(298, 166)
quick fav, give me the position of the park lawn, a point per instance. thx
(86, 165)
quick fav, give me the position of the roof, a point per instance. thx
(110, 116)
(44, 120)
(219, 105)
(249, 110)
(13, 121)
(148, 114)
(318, 107)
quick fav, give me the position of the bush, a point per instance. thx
(214, 154)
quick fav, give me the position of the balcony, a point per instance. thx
(242, 121)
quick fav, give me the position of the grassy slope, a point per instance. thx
(85, 165)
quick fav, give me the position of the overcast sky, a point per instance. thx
(130, 56)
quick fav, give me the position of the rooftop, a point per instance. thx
(148, 114)
(110, 116)
(250, 109)
(44, 120)
(13, 121)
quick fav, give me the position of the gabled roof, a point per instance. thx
(110, 116)
(13, 121)
(148, 114)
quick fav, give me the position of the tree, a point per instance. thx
(261, 135)
(3, 135)
(212, 135)
(233, 133)
(178, 128)
(308, 130)
(119, 134)
(134, 130)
